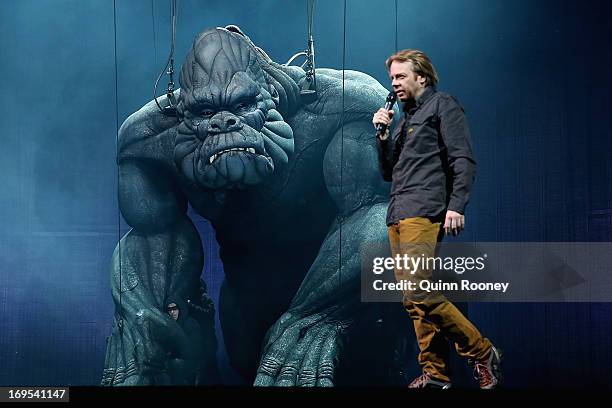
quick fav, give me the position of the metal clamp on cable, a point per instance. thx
(308, 84)
(169, 110)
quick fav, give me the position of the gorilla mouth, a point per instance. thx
(238, 158)
(233, 149)
(232, 160)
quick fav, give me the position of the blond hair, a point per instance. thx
(421, 64)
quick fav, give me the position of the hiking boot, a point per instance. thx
(488, 371)
(427, 381)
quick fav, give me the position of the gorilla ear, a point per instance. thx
(274, 94)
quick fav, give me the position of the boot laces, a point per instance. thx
(420, 381)
(482, 373)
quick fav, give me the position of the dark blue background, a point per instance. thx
(533, 76)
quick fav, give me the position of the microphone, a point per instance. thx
(381, 128)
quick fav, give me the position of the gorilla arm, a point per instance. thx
(303, 346)
(161, 254)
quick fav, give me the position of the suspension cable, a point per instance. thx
(396, 26)
(308, 85)
(310, 13)
(120, 312)
(171, 109)
(310, 63)
(154, 33)
(341, 220)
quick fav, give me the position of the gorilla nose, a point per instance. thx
(224, 122)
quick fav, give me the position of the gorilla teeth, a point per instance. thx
(236, 149)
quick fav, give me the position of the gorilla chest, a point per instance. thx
(300, 213)
(278, 237)
(293, 207)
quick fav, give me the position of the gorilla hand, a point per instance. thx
(149, 326)
(303, 346)
(303, 351)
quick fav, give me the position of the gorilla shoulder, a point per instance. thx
(363, 95)
(142, 134)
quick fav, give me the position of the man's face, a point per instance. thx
(406, 84)
(173, 310)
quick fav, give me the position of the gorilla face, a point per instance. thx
(231, 135)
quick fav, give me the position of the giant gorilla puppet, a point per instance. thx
(293, 192)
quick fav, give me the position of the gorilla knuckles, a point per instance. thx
(232, 134)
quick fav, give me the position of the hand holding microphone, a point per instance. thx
(384, 116)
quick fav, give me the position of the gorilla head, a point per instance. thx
(232, 134)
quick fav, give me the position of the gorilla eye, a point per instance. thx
(207, 113)
(244, 106)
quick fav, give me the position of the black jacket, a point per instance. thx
(428, 159)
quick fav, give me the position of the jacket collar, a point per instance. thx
(429, 90)
(427, 93)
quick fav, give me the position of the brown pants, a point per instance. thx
(435, 318)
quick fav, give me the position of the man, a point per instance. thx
(429, 161)
(183, 349)
(173, 310)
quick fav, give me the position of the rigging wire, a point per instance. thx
(171, 109)
(310, 13)
(308, 64)
(342, 143)
(154, 34)
(308, 85)
(299, 54)
(120, 312)
(396, 26)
